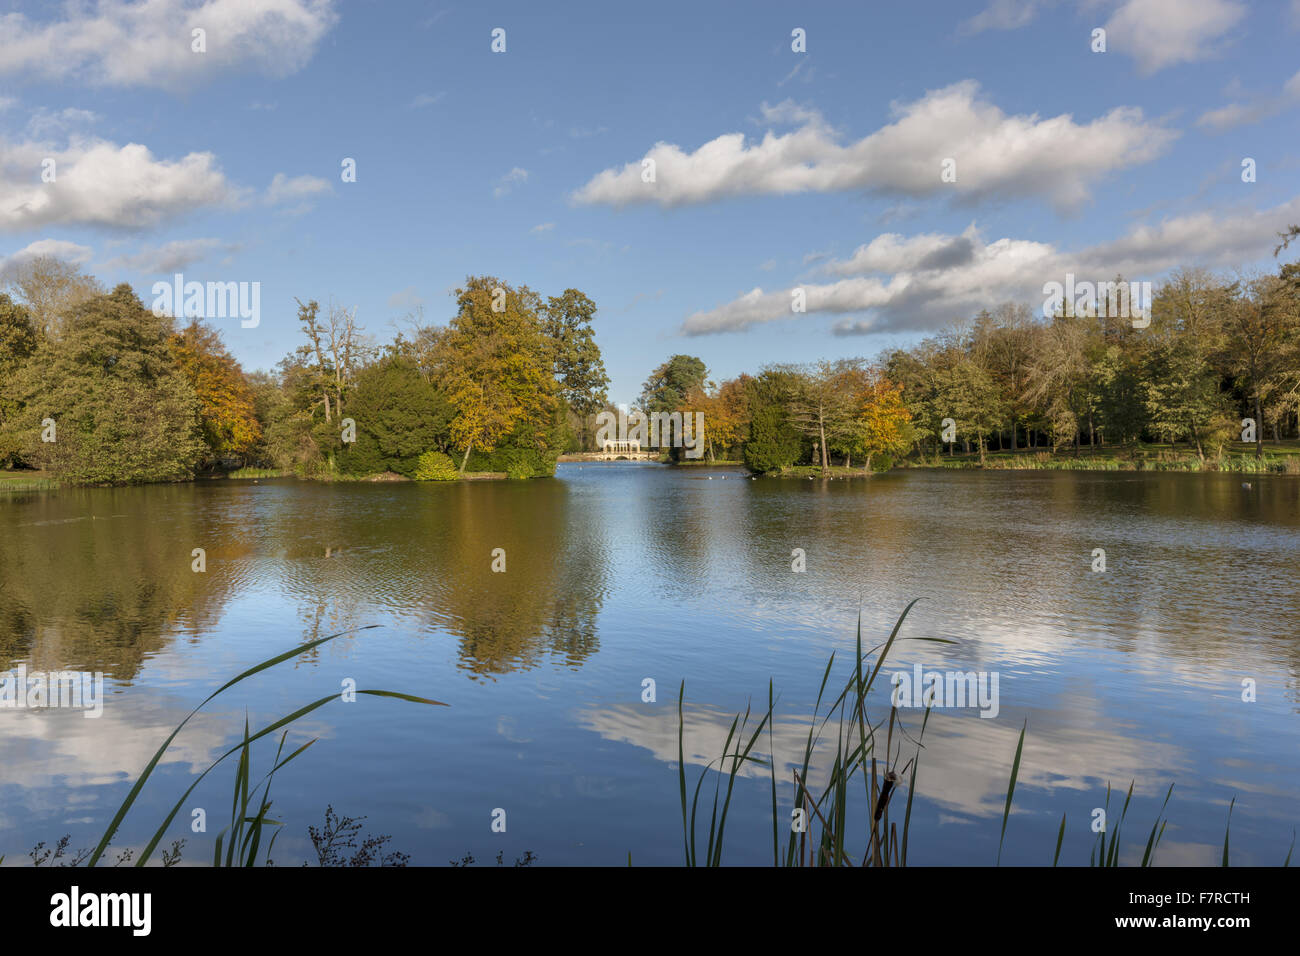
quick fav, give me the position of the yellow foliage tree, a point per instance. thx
(883, 424)
(230, 426)
(495, 367)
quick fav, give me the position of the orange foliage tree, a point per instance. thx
(229, 424)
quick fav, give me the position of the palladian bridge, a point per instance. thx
(613, 449)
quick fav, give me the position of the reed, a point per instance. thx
(27, 484)
(843, 827)
(258, 473)
(245, 831)
(825, 839)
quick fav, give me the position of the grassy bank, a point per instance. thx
(816, 471)
(22, 481)
(1279, 458)
(18, 481)
(257, 473)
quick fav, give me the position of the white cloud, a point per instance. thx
(1163, 33)
(1228, 117)
(543, 227)
(122, 43)
(45, 122)
(1156, 33)
(427, 99)
(1003, 15)
(1260, 108)
(997, 156)
(101, 183)
(170, 257)
(294, 188)
(509, 181)
(58, 248)
(925, 281)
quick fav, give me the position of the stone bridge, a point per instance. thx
(612, 450)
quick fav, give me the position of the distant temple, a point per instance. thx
(621, 446)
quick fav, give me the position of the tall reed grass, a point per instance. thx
(27, 484)
(259, 473)
(847, 819)
(248, 829)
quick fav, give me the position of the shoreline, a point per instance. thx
(1279, 462)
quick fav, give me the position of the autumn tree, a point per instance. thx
(821, 401)
(967, 392)
(51, 288)
(1001, 344)
(881, 423)
(1057, 380)
(495, 367)
(1261, 325)
(726, 413)
(230, 425)
(109, 395)
(1181, 381)
(18, 340)
(913, 371)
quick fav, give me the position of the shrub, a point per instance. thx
(518, 470)
(515, 462)
(772, 444)
(398, 416)
(435, 466)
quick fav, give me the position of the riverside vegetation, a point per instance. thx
(96, 389)
(1012, 389)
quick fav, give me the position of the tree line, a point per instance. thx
(95, 388)
(1219, 359)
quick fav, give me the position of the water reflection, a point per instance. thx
(99, 580)
(620, 572)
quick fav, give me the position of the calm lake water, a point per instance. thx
(620, 572)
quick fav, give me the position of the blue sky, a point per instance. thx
(775, 169)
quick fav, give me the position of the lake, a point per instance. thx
(616, 573)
